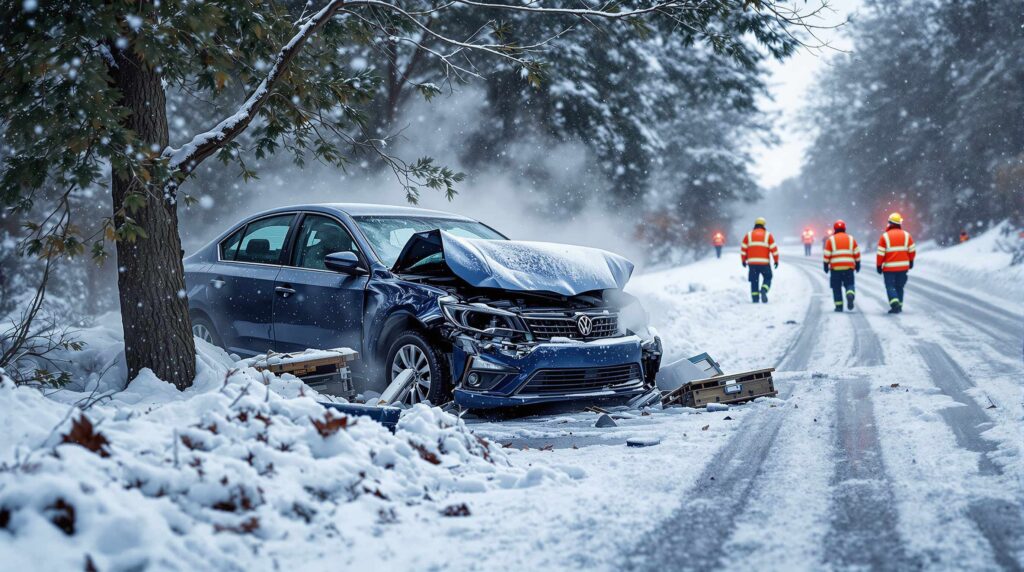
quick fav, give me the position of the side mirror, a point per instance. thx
(346, 262)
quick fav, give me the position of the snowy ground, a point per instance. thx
(895, 444)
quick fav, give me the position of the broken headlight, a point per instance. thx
(482, 319)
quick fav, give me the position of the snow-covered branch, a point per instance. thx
(605, 12)
(205, 144)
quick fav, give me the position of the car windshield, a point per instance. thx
(388, 234)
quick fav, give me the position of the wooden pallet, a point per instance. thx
(301, 364)
(733, 388)
(327, 371)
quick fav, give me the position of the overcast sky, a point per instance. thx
(789, 86)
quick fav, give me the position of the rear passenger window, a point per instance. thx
(262, 241)
(229, 247)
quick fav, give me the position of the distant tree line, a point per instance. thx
(924, 115)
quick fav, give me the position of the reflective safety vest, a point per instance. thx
(718, 239)
(896, 250)
(758, 247)
(842, 252)
(808, 237)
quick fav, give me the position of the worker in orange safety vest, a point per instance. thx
(718, 241)
(842, 258)
(964, 237)
(896, 253)
(757, 250)
(808, 238)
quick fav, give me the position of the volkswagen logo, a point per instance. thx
(584, 324)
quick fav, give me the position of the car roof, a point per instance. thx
(370, 209)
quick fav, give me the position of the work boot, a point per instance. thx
(755, 298)
(839, 308)
(849, 300)
(764, 294)
(894, 308)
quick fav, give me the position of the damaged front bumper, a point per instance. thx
(492, 374)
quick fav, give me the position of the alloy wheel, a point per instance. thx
(203, 333)
(410, 356)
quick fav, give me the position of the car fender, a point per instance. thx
(392, 305)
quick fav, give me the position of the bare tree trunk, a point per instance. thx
(151, 281)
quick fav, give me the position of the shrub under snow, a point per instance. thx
(240, 469)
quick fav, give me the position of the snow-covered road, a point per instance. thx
(895, 443)
(884, 505)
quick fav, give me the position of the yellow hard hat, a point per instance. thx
(895, 218)
(759, 220)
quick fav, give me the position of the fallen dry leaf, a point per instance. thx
(456, 510)
(425, 454)
(84, 434)
(331, 424)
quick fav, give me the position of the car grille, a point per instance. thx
(547, 326)
(583, 380)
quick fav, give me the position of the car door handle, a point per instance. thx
(284, 291)
(217, 283)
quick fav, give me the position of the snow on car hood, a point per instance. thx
(517, 265)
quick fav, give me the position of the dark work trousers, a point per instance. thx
(756, 272)
(807, 249)
(718, 252)
(894, 284)
(842, 284)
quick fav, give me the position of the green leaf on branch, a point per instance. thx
(130, 231)
(134, 201)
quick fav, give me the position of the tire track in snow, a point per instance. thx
(863, 525)
(1000, 522)
(709, 511)
(997, 314)
(866, 348)
(798, 355)
(864, 517)
(1005, 335)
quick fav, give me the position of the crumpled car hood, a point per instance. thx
(520, 266)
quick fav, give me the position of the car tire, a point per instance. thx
(414, 350)
(203, 329)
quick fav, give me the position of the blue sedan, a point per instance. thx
(480, 319)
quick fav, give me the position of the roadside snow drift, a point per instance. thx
(241, 467)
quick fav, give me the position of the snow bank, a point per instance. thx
(242, 467)
(982, 263)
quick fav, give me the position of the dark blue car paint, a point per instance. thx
(239, 299)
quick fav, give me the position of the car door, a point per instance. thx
(316, 307)
(242, 283)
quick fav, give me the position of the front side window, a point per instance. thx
(318, 237)
(388, 234)
(262, 241)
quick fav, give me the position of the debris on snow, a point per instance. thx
(605, 420)
(643, 441)
(399, 388)
(456, 510)
(712, 407)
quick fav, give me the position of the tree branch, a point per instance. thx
(187, 157)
